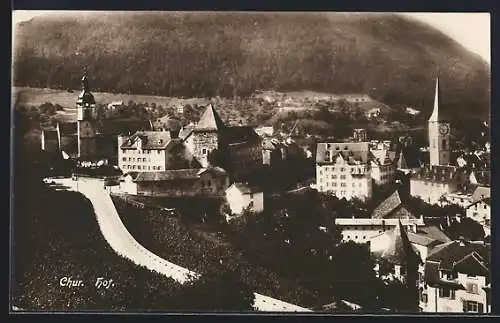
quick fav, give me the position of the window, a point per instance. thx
(334, 184)
(472, 288)
(133, 166)
(204, 151)
(144, 159)
(158, 152)
(446, 293)
(124, 159)
(130, 159)
(138, 166)
(342, 176)
(473, 307)
(159, 167)
(343, 184)
(342, 169)
(484, 206)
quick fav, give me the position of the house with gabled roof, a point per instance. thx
(480, 211)
(383, 166)
(457, 278)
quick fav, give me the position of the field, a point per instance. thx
(36, 96)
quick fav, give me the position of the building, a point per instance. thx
(433, 183)
(241, 196)
(240, 146)
(194, 182)
(383, 218)
(343, 169)
(480, 212)
(153, 151)
(439, 134)
(457, 278)
(383, 163)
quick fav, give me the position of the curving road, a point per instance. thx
(122, 242)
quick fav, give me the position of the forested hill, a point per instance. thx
(391, 58)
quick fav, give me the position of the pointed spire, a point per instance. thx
(435, 116)
(85, 82)
(210, 120)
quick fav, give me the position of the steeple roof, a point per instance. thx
(85, 96)
(436, 116)
(400, 251)
(210, 120)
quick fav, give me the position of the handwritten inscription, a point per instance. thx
(104, 283)
(70, 282)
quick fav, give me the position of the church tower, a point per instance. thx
(439, 134)
(86, 120)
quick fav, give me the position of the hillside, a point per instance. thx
(391, 58)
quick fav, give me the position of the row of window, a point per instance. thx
(137, 151)
(343, 184)
(132, 159)
(355, 237)
(354, 170)
(145, 168)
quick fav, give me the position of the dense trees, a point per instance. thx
(203, 55)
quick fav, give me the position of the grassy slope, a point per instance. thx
(204, 55)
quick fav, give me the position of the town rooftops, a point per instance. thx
(428, 236)
(351, 152)
(449, 254)
(440, 174)
(177, 174)
(245, 188)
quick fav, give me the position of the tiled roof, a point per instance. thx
(246, 188)
(210, 120)
(441, 174)
(68, 128)
(150, 140)
(453, 252)
(352, 152)
(392, 207)
(176, 174)
(428, 236)
(400, 251)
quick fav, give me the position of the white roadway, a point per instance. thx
(122, 242)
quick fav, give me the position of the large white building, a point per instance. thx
(153, 151)
(343, 169)
(480, 212)
(457, 278)
(241, 196)
(383, 164)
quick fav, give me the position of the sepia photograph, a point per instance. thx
(250, 162)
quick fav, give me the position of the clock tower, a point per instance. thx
(439, 134)
(86, 120)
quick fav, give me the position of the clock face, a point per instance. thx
(444, 129)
